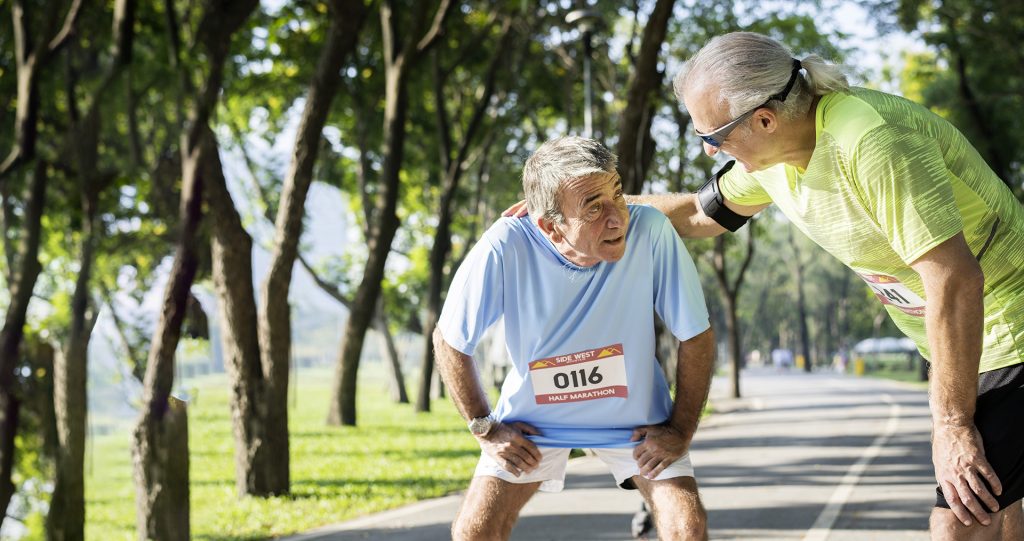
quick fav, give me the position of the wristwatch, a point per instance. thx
(481, 426)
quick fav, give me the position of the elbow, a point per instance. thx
(438, 339)
(441, 350)
(975, 279)
(974, 285)
(966, 277)
(692, 222)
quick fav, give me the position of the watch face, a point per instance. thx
(480, 425)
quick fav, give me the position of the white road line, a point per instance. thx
(823, 525)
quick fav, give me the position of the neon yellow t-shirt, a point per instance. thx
(888, 181)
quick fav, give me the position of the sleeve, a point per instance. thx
(678, 297)
(474, 300)
(742, 188)
(905, 185)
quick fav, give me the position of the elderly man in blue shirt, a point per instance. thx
(578, 282)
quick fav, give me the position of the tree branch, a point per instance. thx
(6, 222)
(473, 45)
(61, 39)
(485, 99)
(136, 367)
(326, 286)
(444, 134)
(436, 29)
(746, 260)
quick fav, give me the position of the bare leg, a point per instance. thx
(678, 511)
(1013, 522)
(490, 509)
(1007, 525)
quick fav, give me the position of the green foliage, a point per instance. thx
(979, 91)
(393, 458)
(841, 310)
(397, 458)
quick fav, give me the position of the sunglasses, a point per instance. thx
(717, 137)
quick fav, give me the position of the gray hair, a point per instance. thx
(745, 68)
(559, 161)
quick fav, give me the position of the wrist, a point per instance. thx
(482, 426)
(952, 423)
(680, 424)
(952, 417)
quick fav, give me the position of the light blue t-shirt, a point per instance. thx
(581, 339)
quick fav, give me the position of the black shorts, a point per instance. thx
(999, 417)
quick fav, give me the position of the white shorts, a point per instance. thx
(551, 472)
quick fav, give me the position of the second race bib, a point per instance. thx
(893, 292)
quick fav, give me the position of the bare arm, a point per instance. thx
(664, 445)
(695, 366)
(458, 371)
(686, 215)
(506, 443)
(953, 283)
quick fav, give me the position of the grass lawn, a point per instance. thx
(898, 373)
(895, 367)
(392, 458)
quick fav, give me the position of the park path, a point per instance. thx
(808, 457)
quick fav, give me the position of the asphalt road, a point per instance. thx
(801, 457)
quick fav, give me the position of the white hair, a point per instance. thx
(744, 68)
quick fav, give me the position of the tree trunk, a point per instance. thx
(454, 167)
(635, 142)
(275, 317)
(682, 122)
(160, 455)
(397, 66)
(160, 446)
(732, 327)
(730, 292)
(66, 518)
(805, 335)
(159, 450)
(438, 255)
(396, 379)
(801, 303)
(24, 281)
(343, 403)
(255, 474)
(10, 407)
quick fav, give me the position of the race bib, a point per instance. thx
(585, 375)
(891, 291)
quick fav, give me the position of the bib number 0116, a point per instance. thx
(578, 378)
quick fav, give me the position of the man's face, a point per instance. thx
(595, 220)
(745, 143)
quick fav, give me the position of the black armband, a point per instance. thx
(713, 203)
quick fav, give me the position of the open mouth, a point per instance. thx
(615, 241)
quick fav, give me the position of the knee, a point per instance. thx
(469, 528)
(690, 526)
(696, 526)
(463, 529)
(944, 526)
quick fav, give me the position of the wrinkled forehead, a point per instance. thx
(708, 111)
(578, 191)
